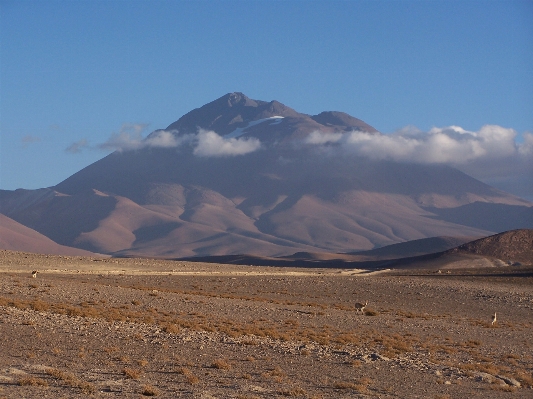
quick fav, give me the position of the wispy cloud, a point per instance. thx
(210, 144)
(204, 143)
(128, 138)
(77, 147)
(29, 139)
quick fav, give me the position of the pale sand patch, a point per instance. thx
(174, 272)
(18, 262)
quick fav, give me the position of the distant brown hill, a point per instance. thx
(412, 248)
(17, 237)
(510, 246)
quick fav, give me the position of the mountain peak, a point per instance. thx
(238, 98)
(236, 112)
(234, 99)
(231, 111)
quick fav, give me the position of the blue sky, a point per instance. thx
(77, 72)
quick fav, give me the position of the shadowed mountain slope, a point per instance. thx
(238, 176)
(501, 250)
(412, 248)
(510, 246)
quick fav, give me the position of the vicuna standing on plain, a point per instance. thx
(361, 307)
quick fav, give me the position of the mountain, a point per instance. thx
(243, 176)
(423, 246)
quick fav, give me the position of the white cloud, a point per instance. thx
(317, 137)
(452, 145)
(128, 138)
(210, 144)
(526, 148)
(204, 143)
(164, 139)
(493, 154)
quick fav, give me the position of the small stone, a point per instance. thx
(377, 356)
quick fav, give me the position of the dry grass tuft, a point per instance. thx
(71, 380)
(171, 328)
(134, 374)
(221, 364)
(360, 386)
(189, 376)
(502, 388)
(293, 392)
(32, 381)
(111, 349)
(526, 378)
(277, 371)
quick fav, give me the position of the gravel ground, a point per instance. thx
(132, 328)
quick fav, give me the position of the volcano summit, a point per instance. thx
(242, 176)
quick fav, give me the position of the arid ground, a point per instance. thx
(131, 328)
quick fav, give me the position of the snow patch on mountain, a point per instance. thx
(274, 120)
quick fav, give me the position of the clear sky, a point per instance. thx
(73, 73)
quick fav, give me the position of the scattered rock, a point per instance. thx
(376, 356)
(509, 381)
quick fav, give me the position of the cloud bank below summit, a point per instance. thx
(205, 143)
(450, 145)
(210, 144)
(493, 154)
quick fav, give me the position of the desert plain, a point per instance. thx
(132, 328)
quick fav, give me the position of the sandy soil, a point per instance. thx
(131, 328)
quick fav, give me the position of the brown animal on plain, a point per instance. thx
(361, 307)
